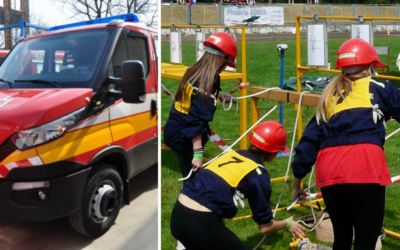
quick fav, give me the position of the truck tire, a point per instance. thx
(102, 199)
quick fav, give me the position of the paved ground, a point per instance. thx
(136, 226)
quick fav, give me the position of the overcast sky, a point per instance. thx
(52, 14)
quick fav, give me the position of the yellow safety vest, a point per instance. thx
(184, 107)
(359, 97)
(232, 167)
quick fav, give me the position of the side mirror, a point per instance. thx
(132, 82)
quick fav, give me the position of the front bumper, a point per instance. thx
(62, 197)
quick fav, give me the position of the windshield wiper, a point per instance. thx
(9, 83)
(52, 83)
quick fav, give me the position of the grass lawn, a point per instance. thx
(263, 66)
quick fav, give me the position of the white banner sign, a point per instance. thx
(253, 15)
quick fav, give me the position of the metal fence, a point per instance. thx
(213, 14)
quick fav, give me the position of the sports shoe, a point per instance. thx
(179, 246)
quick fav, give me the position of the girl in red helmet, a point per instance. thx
(186, 130)
(197, 217)
(345, 138)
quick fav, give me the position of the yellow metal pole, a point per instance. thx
(279, 179)
(296, 206)
(298, 74)
(391, 233)
(243, 92)
(278, 210)
(308, 205)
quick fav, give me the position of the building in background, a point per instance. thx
(12, 11)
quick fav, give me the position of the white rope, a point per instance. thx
(288, 168)
(242, 97)
(311, 205)
(298, 198)
(230, 147)
(312, 226)
(387, 137)
(230, 104)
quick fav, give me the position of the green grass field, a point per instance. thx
(263, 66)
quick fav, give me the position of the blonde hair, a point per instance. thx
(203, 72)
(334, 89)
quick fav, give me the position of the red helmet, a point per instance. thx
(357, 52)
(269, 136)
(225, 42)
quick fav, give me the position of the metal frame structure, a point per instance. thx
(177, 71)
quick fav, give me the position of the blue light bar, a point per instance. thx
(130, 17)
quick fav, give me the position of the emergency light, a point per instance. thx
(130, 17)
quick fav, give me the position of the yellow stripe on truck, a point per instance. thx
(19, 155)
(75, 143)
(126, 126)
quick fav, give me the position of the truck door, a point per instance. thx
(133, 126)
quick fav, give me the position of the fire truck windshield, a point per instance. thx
(67, 59)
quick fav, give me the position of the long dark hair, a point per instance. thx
(203, 72)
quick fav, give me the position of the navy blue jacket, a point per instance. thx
(348, 127)
(213, 192)
(180, 128)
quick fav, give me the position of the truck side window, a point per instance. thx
(119, 57)
(138, 50)
(156, 48)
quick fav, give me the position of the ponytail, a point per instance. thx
(340, 87)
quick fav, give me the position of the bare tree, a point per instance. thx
(93, 9)
(36, 19)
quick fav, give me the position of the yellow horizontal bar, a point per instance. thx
(175, 70)
(172, 76)
(320, 69)
(279, 209)
(298, 205)
(339, 72)
(279, 179)
(305, 204)
(179, 74)
(171, 66)
(354, 18)
(242, 217)
(391, 233)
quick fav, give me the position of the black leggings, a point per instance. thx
(202, 230)
(185, 164)
(361, 206)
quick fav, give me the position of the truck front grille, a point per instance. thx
(6, 149)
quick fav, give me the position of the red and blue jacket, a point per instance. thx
(359, 120)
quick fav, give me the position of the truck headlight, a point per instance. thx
(28, 138)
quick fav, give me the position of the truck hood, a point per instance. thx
(27, 108)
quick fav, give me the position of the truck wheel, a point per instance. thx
(102, 199)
